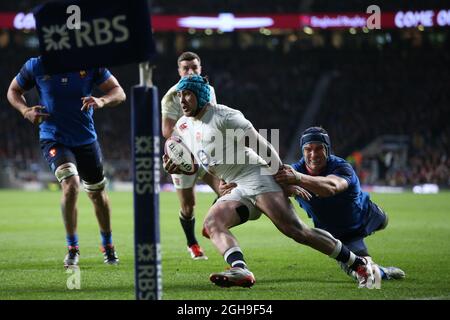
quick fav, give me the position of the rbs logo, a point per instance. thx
(98, 32)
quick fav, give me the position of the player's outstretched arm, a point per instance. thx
(322, 186)
(17, 100)
(113, 96)
(226, 188)
(292, 190)
(167, 127)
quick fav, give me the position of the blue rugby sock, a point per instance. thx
(383, 274)
(106, 238)
(343, 254)
(72, 240)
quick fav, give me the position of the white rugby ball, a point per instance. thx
(180, 154)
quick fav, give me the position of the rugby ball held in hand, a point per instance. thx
(180, 154)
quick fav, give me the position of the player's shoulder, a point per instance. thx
(35, 61)
(34, 64)
(337, 163)
(335, 160)
(225, 111)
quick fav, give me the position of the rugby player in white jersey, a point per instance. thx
(211, 131)
(188, 64)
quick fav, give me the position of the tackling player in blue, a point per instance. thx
(338, 205)
(69, 142)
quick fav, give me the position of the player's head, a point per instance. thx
(316, 147)
(189, 64)
(194, 94)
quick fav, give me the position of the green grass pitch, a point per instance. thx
(32, 247)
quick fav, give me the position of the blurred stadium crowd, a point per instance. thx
(382, 83)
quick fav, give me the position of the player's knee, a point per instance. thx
(208, 224)
(212, 225)
(95, 188)
(65, 171)
(97, 196)
(385, 222)
(205, 232)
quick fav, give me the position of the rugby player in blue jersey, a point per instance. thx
(68, 140)
(338, 205)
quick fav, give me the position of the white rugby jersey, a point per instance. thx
(216, 141)
(170, 103)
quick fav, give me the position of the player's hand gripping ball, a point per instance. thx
(179, 157)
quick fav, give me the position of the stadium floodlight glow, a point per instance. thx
(225, 22)
(308, 30)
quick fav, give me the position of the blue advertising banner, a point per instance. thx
(81, 34)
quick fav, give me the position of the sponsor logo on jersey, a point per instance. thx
(183, 126)
(52, 152)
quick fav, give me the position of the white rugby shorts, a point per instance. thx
(250, 184)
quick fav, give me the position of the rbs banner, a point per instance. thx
(98, 33)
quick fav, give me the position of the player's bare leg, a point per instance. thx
(221, 217)
(70, 189)
(187, 202)
(187, 219)
(281, 212)
(278, 208)
(102, 210)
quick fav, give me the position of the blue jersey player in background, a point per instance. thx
(337, 203)
(69, 141)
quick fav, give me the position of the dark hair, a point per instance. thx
(188, 56)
